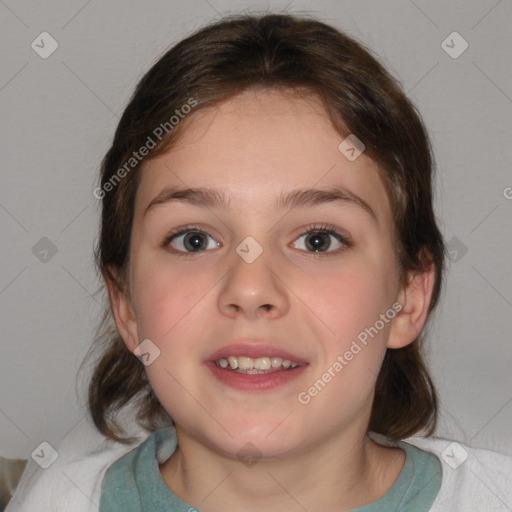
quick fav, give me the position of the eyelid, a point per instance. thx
(182, 230)
(340, 235)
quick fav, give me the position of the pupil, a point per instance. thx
(194, 241)
(316, 243)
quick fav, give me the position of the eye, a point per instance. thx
(189, 240)
(318, 239)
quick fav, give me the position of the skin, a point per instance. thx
(315, 456)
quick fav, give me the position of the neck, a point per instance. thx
(341, 474)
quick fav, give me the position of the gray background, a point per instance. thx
(58, 118)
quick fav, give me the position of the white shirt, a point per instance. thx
(473, 479)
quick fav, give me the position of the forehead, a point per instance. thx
(256, 146)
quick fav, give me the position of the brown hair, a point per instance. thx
(285, 52)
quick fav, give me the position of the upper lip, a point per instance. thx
(253, 349)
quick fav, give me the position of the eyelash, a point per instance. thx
(316, 228)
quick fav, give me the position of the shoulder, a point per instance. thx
(472, 478)
(121, 474)
(134, 478)
(73, 481)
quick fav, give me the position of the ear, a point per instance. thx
(414, 298)
(124, 316)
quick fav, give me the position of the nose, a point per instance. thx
(254, 290)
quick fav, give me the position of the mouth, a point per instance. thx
(255, 366)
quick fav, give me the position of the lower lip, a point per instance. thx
(255, 382)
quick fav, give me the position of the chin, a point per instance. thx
(251, 450)
(255, 440)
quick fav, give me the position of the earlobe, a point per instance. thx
(123, 313)
(415, 300)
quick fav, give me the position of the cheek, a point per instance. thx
(170, 312)
(350, 303)
(168, 301)
(351, 299)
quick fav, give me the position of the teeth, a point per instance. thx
(262, 363)
(259, 363)
(276, 362)
(245, 363)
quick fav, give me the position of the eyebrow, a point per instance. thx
(297, 198)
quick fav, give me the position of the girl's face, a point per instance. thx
(252, 276)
